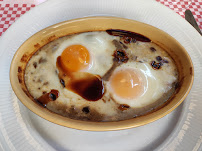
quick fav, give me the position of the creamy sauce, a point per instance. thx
(86, 95)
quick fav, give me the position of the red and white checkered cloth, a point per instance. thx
(179, 6)
(11, 10)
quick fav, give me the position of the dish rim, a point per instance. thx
(99, 126)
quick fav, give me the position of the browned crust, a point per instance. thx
(191, 71)
(37, 46)
(51, 38)
(25, 58)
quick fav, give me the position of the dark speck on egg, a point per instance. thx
(52, 96)
(156, 65)
(62, 82)
(55, 47)
(152, 49)
(35, 65)
(158, 58)
(42, 60)
(46, 83)
(86, 110)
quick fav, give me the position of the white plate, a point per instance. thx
(20, 129)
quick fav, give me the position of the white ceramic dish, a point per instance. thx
(20, 129)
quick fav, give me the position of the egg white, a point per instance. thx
(100, 49)
(156, 83)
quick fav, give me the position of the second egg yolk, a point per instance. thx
(75, 58)
(127, 84)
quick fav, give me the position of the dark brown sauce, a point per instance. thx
(117, 44)
(47, 97)
(108, 74)
(88, 86)
(124, 46)
(129, 36)
(90, 89)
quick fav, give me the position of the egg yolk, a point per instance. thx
(75, 58)
(127, 84)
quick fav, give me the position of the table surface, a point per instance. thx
(11, 10)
